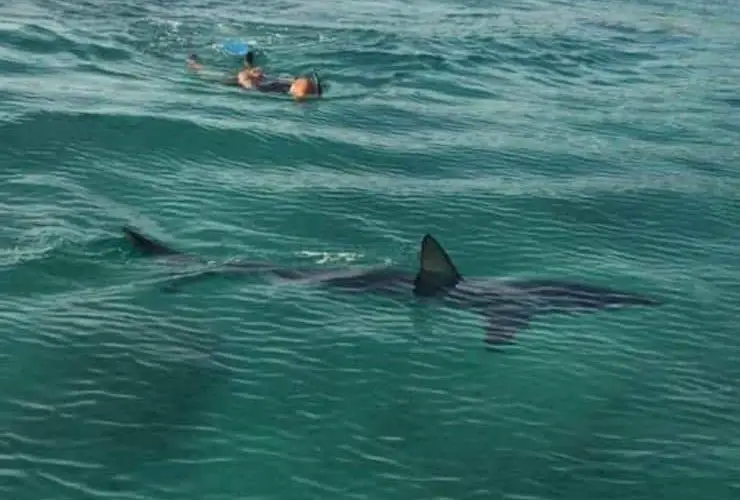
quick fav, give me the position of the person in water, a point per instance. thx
(253, 77)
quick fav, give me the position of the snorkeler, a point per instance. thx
(252, 77)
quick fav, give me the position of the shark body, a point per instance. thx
(507, 305)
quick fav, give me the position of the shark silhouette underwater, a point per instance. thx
(507, 305)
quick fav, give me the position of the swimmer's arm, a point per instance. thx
(231, 80)
(196, 67)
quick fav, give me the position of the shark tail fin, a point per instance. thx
(436, 270)
(145, 244)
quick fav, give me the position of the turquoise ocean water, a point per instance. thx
(587, 140)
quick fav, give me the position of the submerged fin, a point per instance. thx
(502, 324)
(436, 271)
(146, 245)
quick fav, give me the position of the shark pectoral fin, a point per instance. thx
(436, 270)
(502, 325)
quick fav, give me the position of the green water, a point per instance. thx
(593, 141)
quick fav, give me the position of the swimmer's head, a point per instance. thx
(249, 58)
(303, 87)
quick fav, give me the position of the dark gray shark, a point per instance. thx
(507, 305)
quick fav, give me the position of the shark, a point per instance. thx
(507, 305)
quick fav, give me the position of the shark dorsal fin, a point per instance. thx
(436, 270)
(145, 244)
